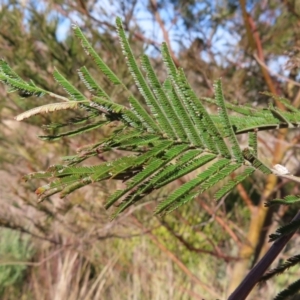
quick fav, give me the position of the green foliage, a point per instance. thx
(175, 137)
(288, 200)
(15, 251)
(9, 77)
(99, 62)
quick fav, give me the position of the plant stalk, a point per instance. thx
(246, 286)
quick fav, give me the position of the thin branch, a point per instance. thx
(221, 222)
(262, 64)
(159, 20)
(244, 195)
(137, 35)
(191, 248)
(257, 272)
(260, 55)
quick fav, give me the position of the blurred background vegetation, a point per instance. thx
(69, 249)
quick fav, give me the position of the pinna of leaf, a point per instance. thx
(170, 135)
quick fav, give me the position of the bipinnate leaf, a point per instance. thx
(153, 142)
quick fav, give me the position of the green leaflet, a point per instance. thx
(56, 186)
(189, 197)
(75, 186)
(77, 131)
(110, 108)
(181, 111)
(91, 84)
(6, 70)
(22, 86)
(284, 101)
(280, 116)
(124, 137)
(129, 117)
(38, 175)
(99, 62)
(252, 137)
(163, 174)
(183, 165)
(101, 174)
(240, 123)
(72, 121)
(124, 164)
(154, 166)
(205, 126)
(187, 159)
(48, 193)
(147, 171)
(241, 109)
(210, 182)
(256, 119)
(237, 153)
(141, 83)
(182, 191)
(273, 119)
(139, 143)
(68, 87)
(255, 162)
(180, 101)
(257, 127)
(142, 115)
(177, 122)
(107, 106)
(72, 178)
(157, 150)
(8, 76)
(195, 110)
(232, 183)
(288, 200)
(78, 171)
(186, 168)
(223, 173)
(173, 122)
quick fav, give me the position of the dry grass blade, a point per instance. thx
(48, 108)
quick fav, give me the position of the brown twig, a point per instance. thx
(244, 195)
(161, 24)
(79, 9)
(191, 248)
(196, 229)
(260, 56)
(263, 65)
(255, 274)
(221, 222)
